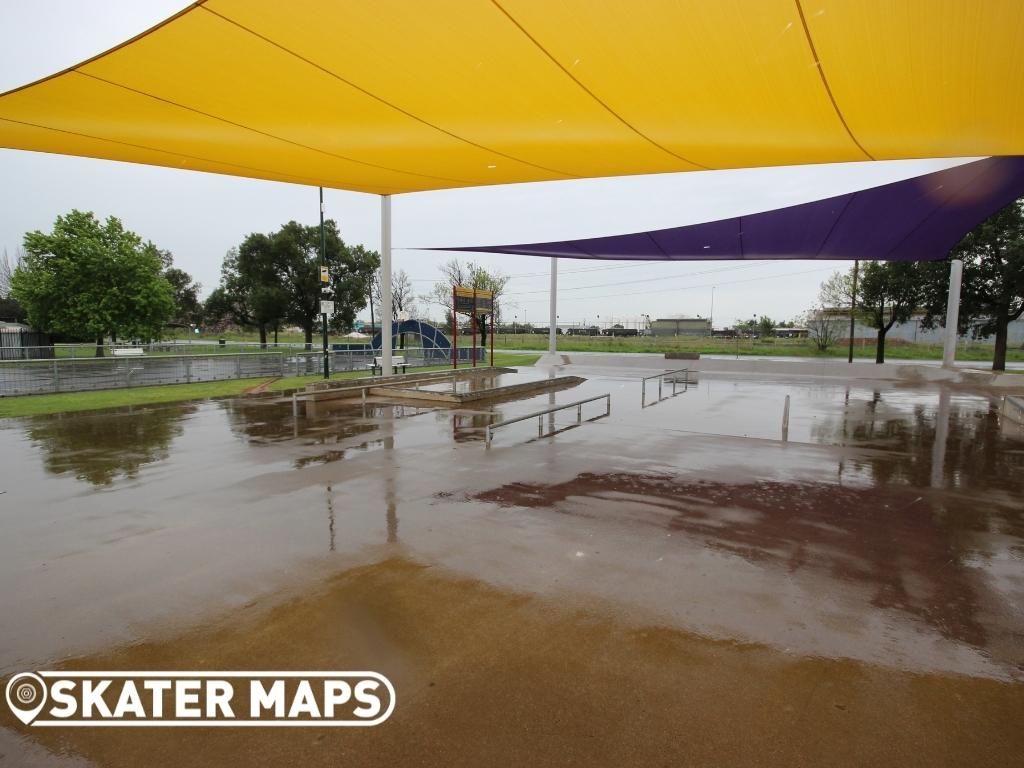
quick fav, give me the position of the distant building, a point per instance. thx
(911, 331)
(19, 342)
(791, 333)
(681, 326)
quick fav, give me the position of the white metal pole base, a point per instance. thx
(956, 273)
(386, 299)
(553, 329)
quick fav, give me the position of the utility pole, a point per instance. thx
(324, 284)
(853, 308)
(711, 317)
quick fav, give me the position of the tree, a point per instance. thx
(276, 277)
(765, 327)
(992, 292)
(249, 294)
(824, 326)
(837, 291)
(187, 307)
(746, 327)
(470, 275)
(10, 310)
(824, 321)
(402, 296)
(6, 271)
(889, 293)
(91, 279)
(297, 254)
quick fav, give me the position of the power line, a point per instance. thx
(661, 278)
(685, 288)
(561, 272)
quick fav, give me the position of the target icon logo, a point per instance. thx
(26, 696)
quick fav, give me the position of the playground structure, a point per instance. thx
(434, 345)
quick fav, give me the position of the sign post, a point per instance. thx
(476, 303)
(473, 326)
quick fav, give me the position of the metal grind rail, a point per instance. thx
(661, 380)
(539, 415)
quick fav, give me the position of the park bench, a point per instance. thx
(129, 352)
(378, 363)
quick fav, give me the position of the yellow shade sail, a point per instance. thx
(396, 96)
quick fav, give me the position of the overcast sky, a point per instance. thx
(198, 216)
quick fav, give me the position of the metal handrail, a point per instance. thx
(539, 415)
(661, 377)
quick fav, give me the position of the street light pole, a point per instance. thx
(324, 285)
(711, 317)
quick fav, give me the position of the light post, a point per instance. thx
(324, 284)
(711, 316)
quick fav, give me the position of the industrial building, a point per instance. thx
(681, 326)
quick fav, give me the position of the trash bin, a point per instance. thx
(222, 342)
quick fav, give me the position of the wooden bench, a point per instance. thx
(129, 352)
(378, 364)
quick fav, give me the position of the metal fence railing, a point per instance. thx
(539, 415)
(663, 377)
(164, 348)
(28, 377)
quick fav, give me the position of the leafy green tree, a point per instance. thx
(275, 277)
(992, 293)
(765, 327)
(746, 327)
(296, 255)
(87, 279)
(187, 307)
(249, 295)
(888, 294)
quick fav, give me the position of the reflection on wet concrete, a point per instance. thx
(99, 447)
(911, 554)
(486, 676)
(956, 444)
(859, 585)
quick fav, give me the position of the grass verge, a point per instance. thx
(894, 349)
(40, 405)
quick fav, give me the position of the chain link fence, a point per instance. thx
(172, 347)
(29, 377)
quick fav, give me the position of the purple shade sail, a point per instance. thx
(917, 219)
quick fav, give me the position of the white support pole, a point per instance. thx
(956, 273)
(386, 298)
(553, 330)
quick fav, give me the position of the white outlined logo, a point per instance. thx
(183, 699)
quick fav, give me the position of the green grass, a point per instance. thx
(748, 347)
(718, 346)
(39, 405)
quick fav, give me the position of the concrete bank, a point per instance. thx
(830, 368)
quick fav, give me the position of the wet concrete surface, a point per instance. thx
(670, 585)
